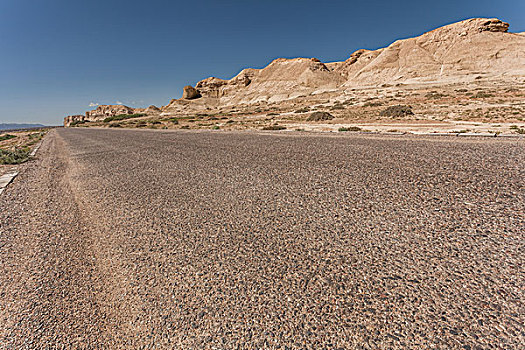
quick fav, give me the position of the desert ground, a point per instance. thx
(219, 239)
(482, 106)
(16, 146)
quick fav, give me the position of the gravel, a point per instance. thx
(217, 240)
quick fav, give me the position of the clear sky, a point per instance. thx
(59, 56)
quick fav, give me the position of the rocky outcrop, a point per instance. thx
(458, 52)
(494, 25)
(210, 87)
(74, 119)
(104, 111)
(99, 114)
(152, 110)
(190, 93)
(453, 53)
(478, 48)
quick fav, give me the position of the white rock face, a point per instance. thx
(457, 52)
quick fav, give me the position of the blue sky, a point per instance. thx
(58, 56)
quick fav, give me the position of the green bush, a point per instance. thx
(77, 122)
(318, 116)
(172, 120)
(397, 111)
(7, 137)
(123, 116)
(303, 110)
(351, 128)
(274, 127)
(16, 156)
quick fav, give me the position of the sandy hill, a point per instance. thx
(462, 51)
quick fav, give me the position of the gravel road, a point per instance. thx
(138, 239)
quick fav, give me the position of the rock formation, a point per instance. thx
(190, 93)
(457, 52)
(74, 119)
(99, 114)
(461, 52)
(104, 111)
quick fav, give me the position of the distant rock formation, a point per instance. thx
(98, 114)
(73, 119)
(104, 111)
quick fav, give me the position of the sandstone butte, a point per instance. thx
(478, 48)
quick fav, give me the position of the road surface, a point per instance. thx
(138, 239)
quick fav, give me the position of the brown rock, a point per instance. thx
(72, 119)
(152, 110)
(104, 111)
(190, 93)
(494, 25)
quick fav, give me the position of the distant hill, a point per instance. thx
(12, 126)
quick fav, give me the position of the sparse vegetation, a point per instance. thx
(372, 104)
(6, 137)
(397, 111)
(435, 95)
(215, 127)
(123, 117)
(274, 127)
(350, 128)
(303, 110)
(517, 129)
(77, 122)
(15, 156)
(319, 116)
(481, 94)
